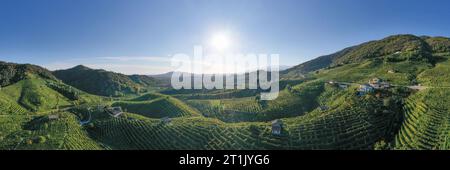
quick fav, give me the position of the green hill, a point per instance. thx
(427, 121)
(11, 73)
(30, 88)
(157, 106)
(39, 95)
(438, 44)
(295, 101)
(105, 83)
(350, 123)
(316, 110)
(393, 48)
(427, 113)
(315, 64)
(32, 94)
(25, 133)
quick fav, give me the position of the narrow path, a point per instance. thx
(86, 121)
(415, 87)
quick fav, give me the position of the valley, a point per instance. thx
(322, 104)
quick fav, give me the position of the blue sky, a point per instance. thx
(137, 36)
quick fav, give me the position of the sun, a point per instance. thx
(221, 41)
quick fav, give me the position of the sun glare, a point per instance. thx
(221, 41)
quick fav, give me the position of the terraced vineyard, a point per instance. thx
(159, 107)
(245, 105)
(61, 133)
(210, 94)
(183, 133)
(11, 130)
(9, 106)
(295, 101)
(355, 126)
(427, 121)
(229, 110)
(34, 95)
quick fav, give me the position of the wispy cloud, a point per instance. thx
(153, 65)
(132, 68)
(137, 58)
(59, 65)
(122, 64)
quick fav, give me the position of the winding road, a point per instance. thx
(415, 87)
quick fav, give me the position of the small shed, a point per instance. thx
(277, 127)
(375, 80)
(53, 117)
(115, 111)
(100, 107)
(343, 86)
(385, 85)
(323, 108)
(365, 88)
(379, 83)
(166, 120)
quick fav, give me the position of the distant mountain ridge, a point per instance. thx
(102, 82)
(169, 74)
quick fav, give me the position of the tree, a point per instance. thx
(90, 125)
(29, 142)
(255, 130)
(381, 145)
(57, 102)
(138, 90)
(40, 139)
(387, 102)
(289, 88)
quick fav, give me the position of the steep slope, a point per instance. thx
(427, 113)
(11, 73)
(393, 48)
(420, 60)
(291, 102)
(438, 44)
(427, 121)
(35, 89)
(144, 80)
(29, 86)
(408, 47)
(102, 82)
(315, 64)
(31, 96)
(37, 133)
(157, 106)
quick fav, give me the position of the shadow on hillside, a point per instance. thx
(439, 59)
